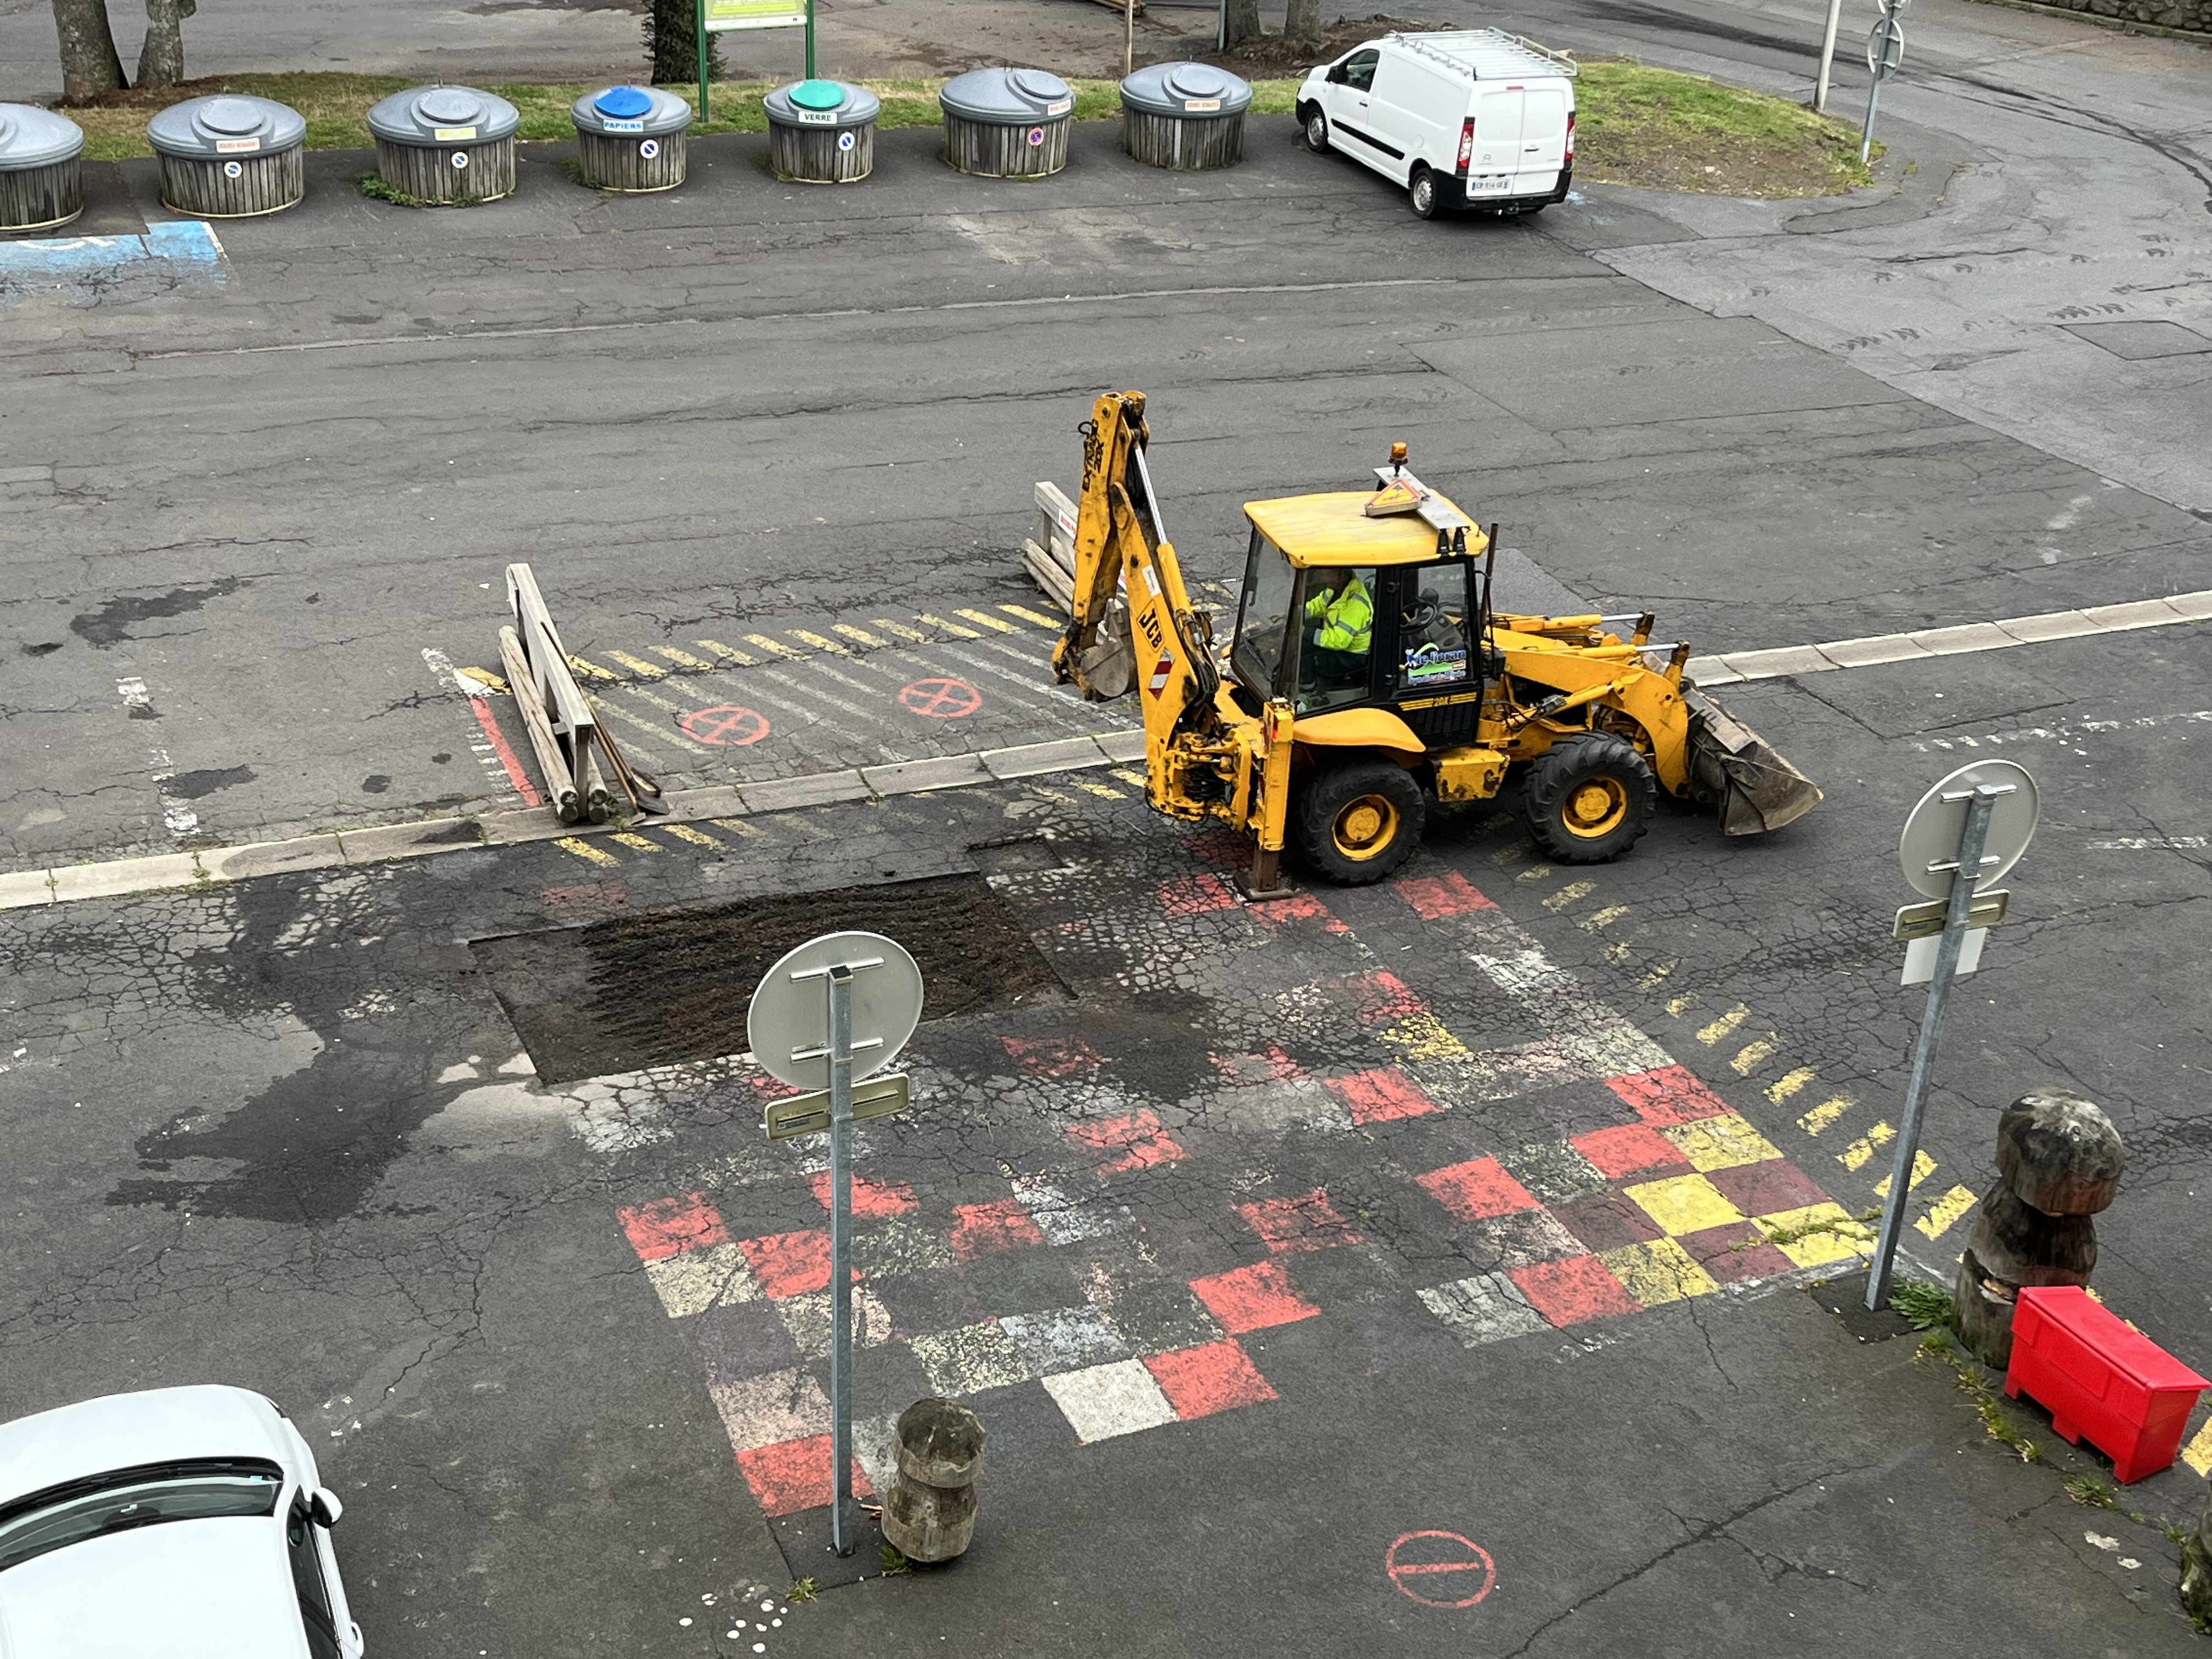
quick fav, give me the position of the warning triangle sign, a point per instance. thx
(1396, 496)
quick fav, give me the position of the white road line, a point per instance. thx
(2153, 844)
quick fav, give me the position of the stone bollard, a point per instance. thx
(2196, 1568)
(2059, 1161)
(929, 1514)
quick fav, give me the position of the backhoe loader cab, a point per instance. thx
(1367, 676)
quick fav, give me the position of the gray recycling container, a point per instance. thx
(450, 145)
(1188, 116)
(630, 138)
(229, 156)
(822, 132)
(1007, 122)
(40, 186)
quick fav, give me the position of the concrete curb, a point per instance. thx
(383, 843)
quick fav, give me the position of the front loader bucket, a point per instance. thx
(1756, 789)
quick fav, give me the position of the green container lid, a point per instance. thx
(817, 94)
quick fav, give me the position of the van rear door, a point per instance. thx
(1543, 140)
(1496, 156)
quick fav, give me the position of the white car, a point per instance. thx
(188, 1524)
(1474, 119)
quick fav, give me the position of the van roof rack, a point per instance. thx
(1488, 54)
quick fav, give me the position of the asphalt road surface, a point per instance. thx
(1304, 1263)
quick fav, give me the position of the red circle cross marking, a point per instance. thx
(726, 724)
(942, 700)
(1438, 1569)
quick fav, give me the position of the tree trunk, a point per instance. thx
(1302, 21)
(90, 64)
(672, 44)
(161, 59)
(1243, 21)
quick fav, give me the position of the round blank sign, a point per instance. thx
(1931, 833)
(790, 1011)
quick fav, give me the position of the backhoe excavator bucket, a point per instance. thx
(1731, 764)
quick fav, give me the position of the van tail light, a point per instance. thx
(1466, 143)
(1571, 138)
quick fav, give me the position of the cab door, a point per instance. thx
(1436, 680)
(1351, 115)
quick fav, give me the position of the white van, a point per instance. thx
(1474, 119)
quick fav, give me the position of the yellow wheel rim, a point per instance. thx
(1364, 827)
(1594, 807)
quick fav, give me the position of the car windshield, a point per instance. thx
(114, 1502)
(1263, 619)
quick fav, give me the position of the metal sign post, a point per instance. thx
(1827, 58)
(1885, 52)
(813, 1018)
(1982, 816)
(716, 16)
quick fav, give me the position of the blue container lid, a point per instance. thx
(623, 103)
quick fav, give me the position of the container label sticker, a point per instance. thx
(649, 149)
(817, 117)
(1201, 103)
(235, 146)
(612, 125)
(232, 170)
(448, 134)
(1060, 108)
(1036, 136)
(460, 158)
(844, 141)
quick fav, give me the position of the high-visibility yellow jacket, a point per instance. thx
(1346, 619)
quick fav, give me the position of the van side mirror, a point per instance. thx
(1338, 74)
(323, 1505)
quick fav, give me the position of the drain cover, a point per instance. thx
(640, 991)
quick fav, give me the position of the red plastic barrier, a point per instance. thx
(2100, 1379)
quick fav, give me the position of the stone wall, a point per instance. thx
(2193, 14)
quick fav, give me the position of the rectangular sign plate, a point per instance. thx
(754, 15)
(809, 1115)
(1925, 920)
(1920, 957)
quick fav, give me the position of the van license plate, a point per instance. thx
(1497, 186)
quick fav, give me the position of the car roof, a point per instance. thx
(1334, 530)
(217, 1588)
(1488, 54)
(127, 1431)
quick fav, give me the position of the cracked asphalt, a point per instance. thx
(282, 1132)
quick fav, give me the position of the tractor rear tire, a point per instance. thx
(1358, 823)
(1588, 798)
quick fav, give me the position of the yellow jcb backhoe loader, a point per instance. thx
(1367, 673)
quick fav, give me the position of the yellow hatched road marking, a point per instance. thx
(584, 850)
(593, 669)
(1028, 615)
(653, 733)
(2197, 1454)
(1100, 789)
(1051, 794)
(1573, 892)
(640, 843)
(486, 679)
(1675, 1005)
(657, 702)
(1854, 1157)
(988, 620)
(1751, 1054)
(775, 647)
(860, 634)
(1721, 1027)
(683, 659)
(1945, 1212)
(652, 670)
(1535, 873)
(1604, 918)
(1782, 1089)
(1513, 855)
(1128, 776)
(743, 658)
(1650, 981)
(821, 642)
(1824, 1115)
(953, 629)
(739, 826)
(901, 630)
(1922, 1167)
(1617, 952)
(685, 832)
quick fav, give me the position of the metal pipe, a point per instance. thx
(1827, 58)
(1963, 883)
(841, 1539)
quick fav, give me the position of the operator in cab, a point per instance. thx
(1339, 629)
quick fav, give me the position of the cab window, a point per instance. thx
(1336, 636)
(1357, 71)
(308, 1581)
(1263, 615)
(1433, 632)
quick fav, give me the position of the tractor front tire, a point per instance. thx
(1588, 798)
(1358, 823)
